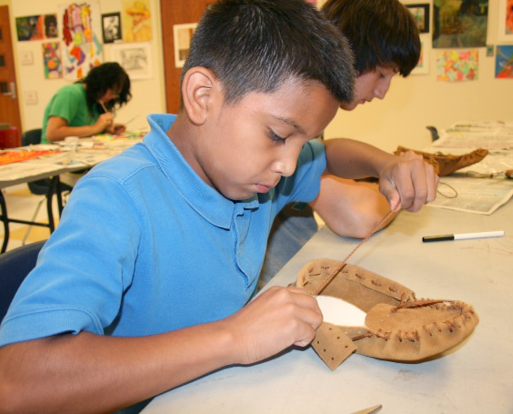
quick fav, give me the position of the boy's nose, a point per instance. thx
(286, 166)
(381, 90)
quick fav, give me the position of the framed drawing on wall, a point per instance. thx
(420, 13)
(111, 25)
(182, 35)
(135, 58)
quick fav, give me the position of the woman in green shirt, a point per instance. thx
(84, 108)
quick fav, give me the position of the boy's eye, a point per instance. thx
(275, 138)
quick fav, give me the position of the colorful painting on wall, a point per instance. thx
(52, 60)
(460, 23)
(505, 31)
(420, 13)
(422, 67)
(457, 65)
(136, 20)
(30, 28)
(51, 26)
(504, 62)
(82, 49)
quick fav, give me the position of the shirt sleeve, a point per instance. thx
(66, 103)
(75, 286)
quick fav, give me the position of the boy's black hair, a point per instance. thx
(380, 32)
(101, 78)
(256, 45)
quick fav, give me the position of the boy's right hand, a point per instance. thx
(104, 121)
(279, 318)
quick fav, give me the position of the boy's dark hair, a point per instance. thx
(101, 78)
(256, 45)
(380, 32)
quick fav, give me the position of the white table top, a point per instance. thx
(88, 153)
(475, 378)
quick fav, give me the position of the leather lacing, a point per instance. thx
(415, 336)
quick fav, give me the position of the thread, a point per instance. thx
(328, 279)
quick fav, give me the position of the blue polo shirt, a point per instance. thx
(146, 247)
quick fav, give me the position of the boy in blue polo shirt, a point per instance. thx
(145, 284)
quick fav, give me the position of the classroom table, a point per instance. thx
(476, 377)
(72, 158)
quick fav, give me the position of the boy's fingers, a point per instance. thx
(415, 184)
(304, 300)
(389, 190)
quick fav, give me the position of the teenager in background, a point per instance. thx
(385, 41)
(86, 107)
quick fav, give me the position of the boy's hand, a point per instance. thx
(408, 182)
(104, 121)
(117, 129)
(277, 319)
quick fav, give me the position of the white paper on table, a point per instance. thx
(473, 195)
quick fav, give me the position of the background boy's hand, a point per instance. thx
(104, 121)
(409, 182)
(277, 319)
(117, 129)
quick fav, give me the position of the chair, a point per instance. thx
(14, 266)
(434, 133)
(42, 187)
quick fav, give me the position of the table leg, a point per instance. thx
(5, 220)
(52, 189)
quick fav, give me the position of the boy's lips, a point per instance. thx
(263, 188)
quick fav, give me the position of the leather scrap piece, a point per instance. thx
(446, 164)
(333, 345)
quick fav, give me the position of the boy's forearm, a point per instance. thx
(350, 209)
(97, 373)
(353, 159)
(66, 131)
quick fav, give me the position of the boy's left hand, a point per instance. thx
(408, 182)
(117, 129)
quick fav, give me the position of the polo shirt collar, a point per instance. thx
(207, 201)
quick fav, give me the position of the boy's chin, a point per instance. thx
(349, 106)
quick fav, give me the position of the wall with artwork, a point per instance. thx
(466, 74)
(57, 42)
(463, 75)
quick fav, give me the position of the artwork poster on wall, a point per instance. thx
(82, 48)
(420, 13)
(30, 28)
(422, 67)
(52, 60)
(460, 23)
(457, 65)
(111, 26)
(505, 30)
(504, 62)
(36, 27)
(135, 58)
(137, 21)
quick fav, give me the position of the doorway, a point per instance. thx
(9, 99)
(176, 12)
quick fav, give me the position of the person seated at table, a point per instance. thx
(85, 108)
(146, 283)
(385, 41)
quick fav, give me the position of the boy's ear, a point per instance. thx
(199, 91)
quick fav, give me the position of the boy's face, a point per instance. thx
(370, 85)
(248, 146)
